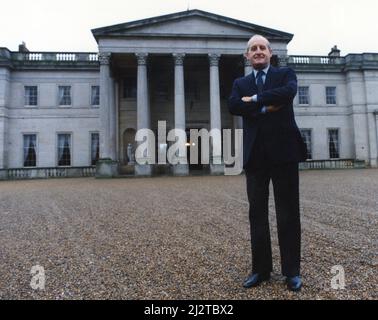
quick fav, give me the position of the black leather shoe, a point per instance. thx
(294, 283)
(255, 279)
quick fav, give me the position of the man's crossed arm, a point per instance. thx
(271, 108)
(273, 99)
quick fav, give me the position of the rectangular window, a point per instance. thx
(303, 95)
(129, 88)
(333, 143)
(331, 95)
(306, 135)
(64, 95)
(64, 149)
(95, 96)
(31, 95)
(95, 148)
(30, 150)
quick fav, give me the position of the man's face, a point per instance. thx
(259, 53)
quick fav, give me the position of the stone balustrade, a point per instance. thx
(49, 60)
(54, 56)
(332, 164)
(93, 57)
(43, 173)
(324, 60)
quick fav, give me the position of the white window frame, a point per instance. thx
(36, 149)
(27, 104)
(90, 145)
(308, 95)
(90, 97)
(56, 148)
(311, 142)
(338, 144)
(331, 104)
(71, 96)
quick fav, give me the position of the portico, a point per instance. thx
(178, 68)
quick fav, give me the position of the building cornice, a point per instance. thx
(128, 27)
(90, 61)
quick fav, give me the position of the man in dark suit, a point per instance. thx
(272, 148)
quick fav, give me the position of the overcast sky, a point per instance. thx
(317, 25)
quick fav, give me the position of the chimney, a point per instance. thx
(335, 53)
(22, 47)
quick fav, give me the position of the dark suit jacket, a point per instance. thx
(280, 135)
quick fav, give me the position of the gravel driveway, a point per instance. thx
(180, 237)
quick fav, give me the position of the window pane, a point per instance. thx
(95, 96)
(30, 154)
(64, 149)
(31, 95)
(331, 95)
(306, 135)
(64, 95)
(303, 95)
(333, 143)
(95, 148)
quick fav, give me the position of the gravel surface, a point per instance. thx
(180, 237)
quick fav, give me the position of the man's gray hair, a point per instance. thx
(255, 37)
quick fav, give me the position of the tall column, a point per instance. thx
(237, 120)
(372, 138)
(4, 100)
(371, 102)
(143, 112)
(375, 114)
(357, 96)
(182, 167)
(247, 66)
(216, 166)
(105, 110)
(282, 60)
(143, 108)
(112, 120)
(117, 120)
(107, 167)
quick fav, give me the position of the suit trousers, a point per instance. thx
(285, 180)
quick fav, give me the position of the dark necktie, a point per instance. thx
(259, 81)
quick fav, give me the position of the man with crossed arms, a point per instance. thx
(272, 149)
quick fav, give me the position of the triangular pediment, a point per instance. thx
(191, 23)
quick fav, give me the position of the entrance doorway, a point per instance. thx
(194, 167)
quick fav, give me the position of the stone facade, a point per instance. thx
(178, 68)
(355, 111)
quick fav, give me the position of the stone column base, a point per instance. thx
(180, 169)
(3, 174)
(143, 170)
(359, 164)
(216, 169)
(107, 168)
